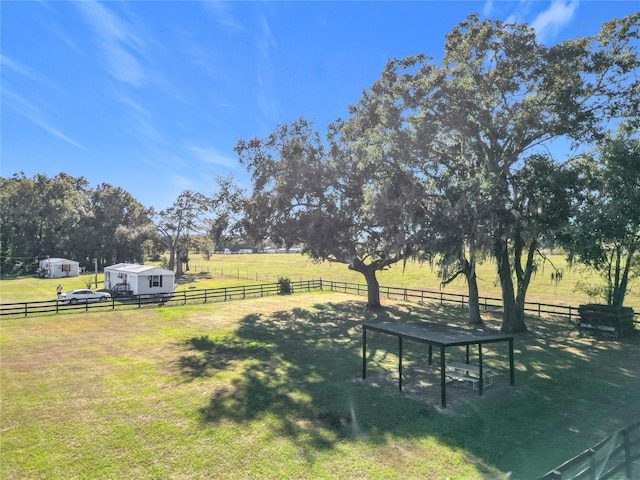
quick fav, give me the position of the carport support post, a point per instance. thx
(364, 352)
(400, 362)
(443, 379)
(480, 368)
(511, 369)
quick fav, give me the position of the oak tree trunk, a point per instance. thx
(373, 286)
(512, 313)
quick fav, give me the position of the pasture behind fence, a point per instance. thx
(192, 295)
(180, 297)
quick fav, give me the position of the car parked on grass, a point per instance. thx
(83, 295)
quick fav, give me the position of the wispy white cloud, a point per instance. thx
(548, 23)
(487, 9)
(266, 43)
(118, 43)
(212, 155)
(11, 65)
(28, 109)
(142, 123)
(35, 115)
(520, 10)
(56, 133)
(220, 10)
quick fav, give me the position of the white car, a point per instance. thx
(83, 296)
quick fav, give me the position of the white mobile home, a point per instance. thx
(138, 279)
(58, 268)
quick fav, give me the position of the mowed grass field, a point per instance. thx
(236, 269)
(543, 289)
(271, 388)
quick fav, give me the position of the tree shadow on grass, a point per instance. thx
(301, 369)
(206, 354)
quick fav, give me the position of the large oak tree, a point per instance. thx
(326, 196)
(497, 100)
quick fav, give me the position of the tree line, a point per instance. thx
(64, 216)
(444, 162)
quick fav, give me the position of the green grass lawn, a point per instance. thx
(227, 270)
(271, 388)
(267, 268)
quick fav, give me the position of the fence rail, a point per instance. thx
(441, 297)
(192, 296)
(613, 457)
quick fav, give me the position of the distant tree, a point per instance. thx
(330, 199)
(605, 232)
(176, 223)
(119, 224)
(196, 214)
(62, 216)
(224, 221)
(41, 216)
(18, 205)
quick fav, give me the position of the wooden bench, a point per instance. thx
(469, 373)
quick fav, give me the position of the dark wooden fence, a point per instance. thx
(260, 290)
(190, 296)
(617, 456)
(441, 297)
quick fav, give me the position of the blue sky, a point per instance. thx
(151, 96)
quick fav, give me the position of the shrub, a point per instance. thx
(284, 284)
